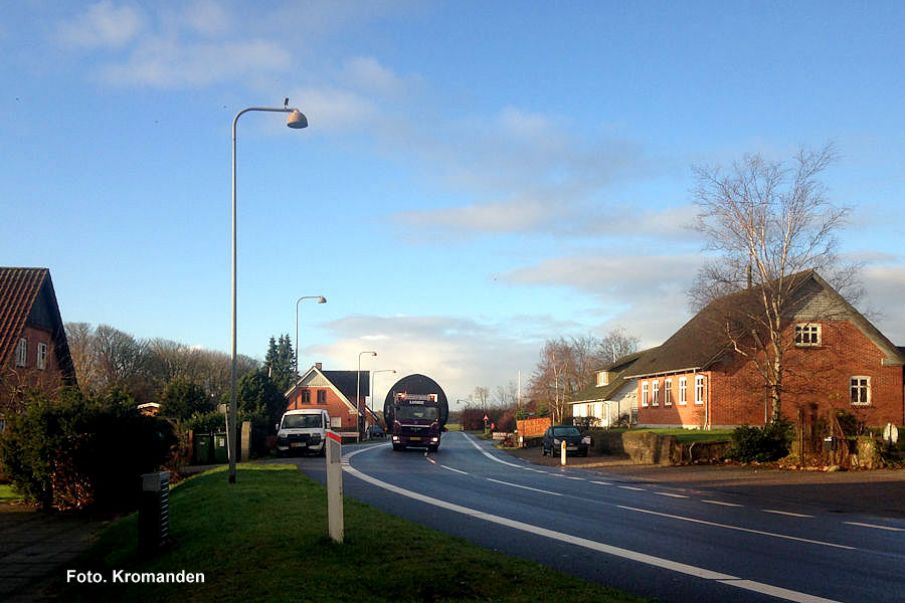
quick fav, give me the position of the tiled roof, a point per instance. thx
(620, 367)
(702, 340)
(347, 382)
(19, 288)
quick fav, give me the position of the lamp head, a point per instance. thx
(321, 300)
(297, 120)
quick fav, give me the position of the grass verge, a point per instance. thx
(264, 539)
(686, 436)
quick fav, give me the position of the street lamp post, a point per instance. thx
(321, 300)
(361, 417)
(296, 121)
(373, 379)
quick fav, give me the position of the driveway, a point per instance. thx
(35, 548)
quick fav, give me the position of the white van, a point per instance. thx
(303, 431)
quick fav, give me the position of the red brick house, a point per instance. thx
(333, 391)
(34, 354)
(834, 358)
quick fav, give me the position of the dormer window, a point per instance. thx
(603, 378)
(807, 334)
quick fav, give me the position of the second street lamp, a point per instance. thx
(321, 300)
(296, 120)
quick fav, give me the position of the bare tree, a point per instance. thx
(768, 223)
(617, 344)
(481, 396)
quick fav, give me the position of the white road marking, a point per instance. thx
(496, 481)
(737, 528)
(455, 470)
(577, 479)
(786, 513)
(601, 483)
(874, 526)
(490, 456)
(633, 488)
(658, 562)
(721, 503)
(670, 494)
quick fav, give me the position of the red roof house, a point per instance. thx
(335, 392)
(34, 354)
(834, 358)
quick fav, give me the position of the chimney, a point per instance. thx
(319, 366)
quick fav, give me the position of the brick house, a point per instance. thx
(834, 358)
(34, 354)
(333, 391)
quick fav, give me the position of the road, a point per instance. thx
(659, 541)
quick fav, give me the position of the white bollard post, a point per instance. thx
(562, 449)
(334, 458)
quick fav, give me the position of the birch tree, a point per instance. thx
(767, 222)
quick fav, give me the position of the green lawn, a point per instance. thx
(694, 435)
(264, 539)
(7, 494)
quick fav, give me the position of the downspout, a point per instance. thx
(707, 410)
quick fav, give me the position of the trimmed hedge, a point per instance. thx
(74, 453)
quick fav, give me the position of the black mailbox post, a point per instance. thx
(154, 512)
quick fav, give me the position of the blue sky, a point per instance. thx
(477, 176)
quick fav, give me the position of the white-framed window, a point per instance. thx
(807, 334)
(859, 386)
(644, 386)
(336, 422)
(22, 352)
(603, 378)
(667, 392)
(42, 356)
(655, 393)
(699, 389)
(683, 391)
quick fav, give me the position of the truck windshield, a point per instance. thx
(301, 421)
(429, 413)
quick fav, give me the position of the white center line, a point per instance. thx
(737, 528)
(721, 503)
(602, 483)
(496, 481)
(633, 488)
(455, 470)
(874, 526)
(786, 513)
(670, 494)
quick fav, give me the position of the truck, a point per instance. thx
(303, 430)
(415, 411)
(416, 421)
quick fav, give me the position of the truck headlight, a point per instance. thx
(435, 440)
(395, 438)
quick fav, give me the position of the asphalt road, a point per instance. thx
(666, 542)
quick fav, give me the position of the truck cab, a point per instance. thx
(303, 431)
(415, 421)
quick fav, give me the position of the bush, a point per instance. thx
(74, 453)
(766, 444)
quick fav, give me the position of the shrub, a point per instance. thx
(765, 444)
(74, 453)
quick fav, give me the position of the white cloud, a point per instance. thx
(168, 63)
(500, 217)
(644, 294)
(458, 353)
(207, 18)
(333, 108)
(368, 75)
(103, 25)
(884, 284)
